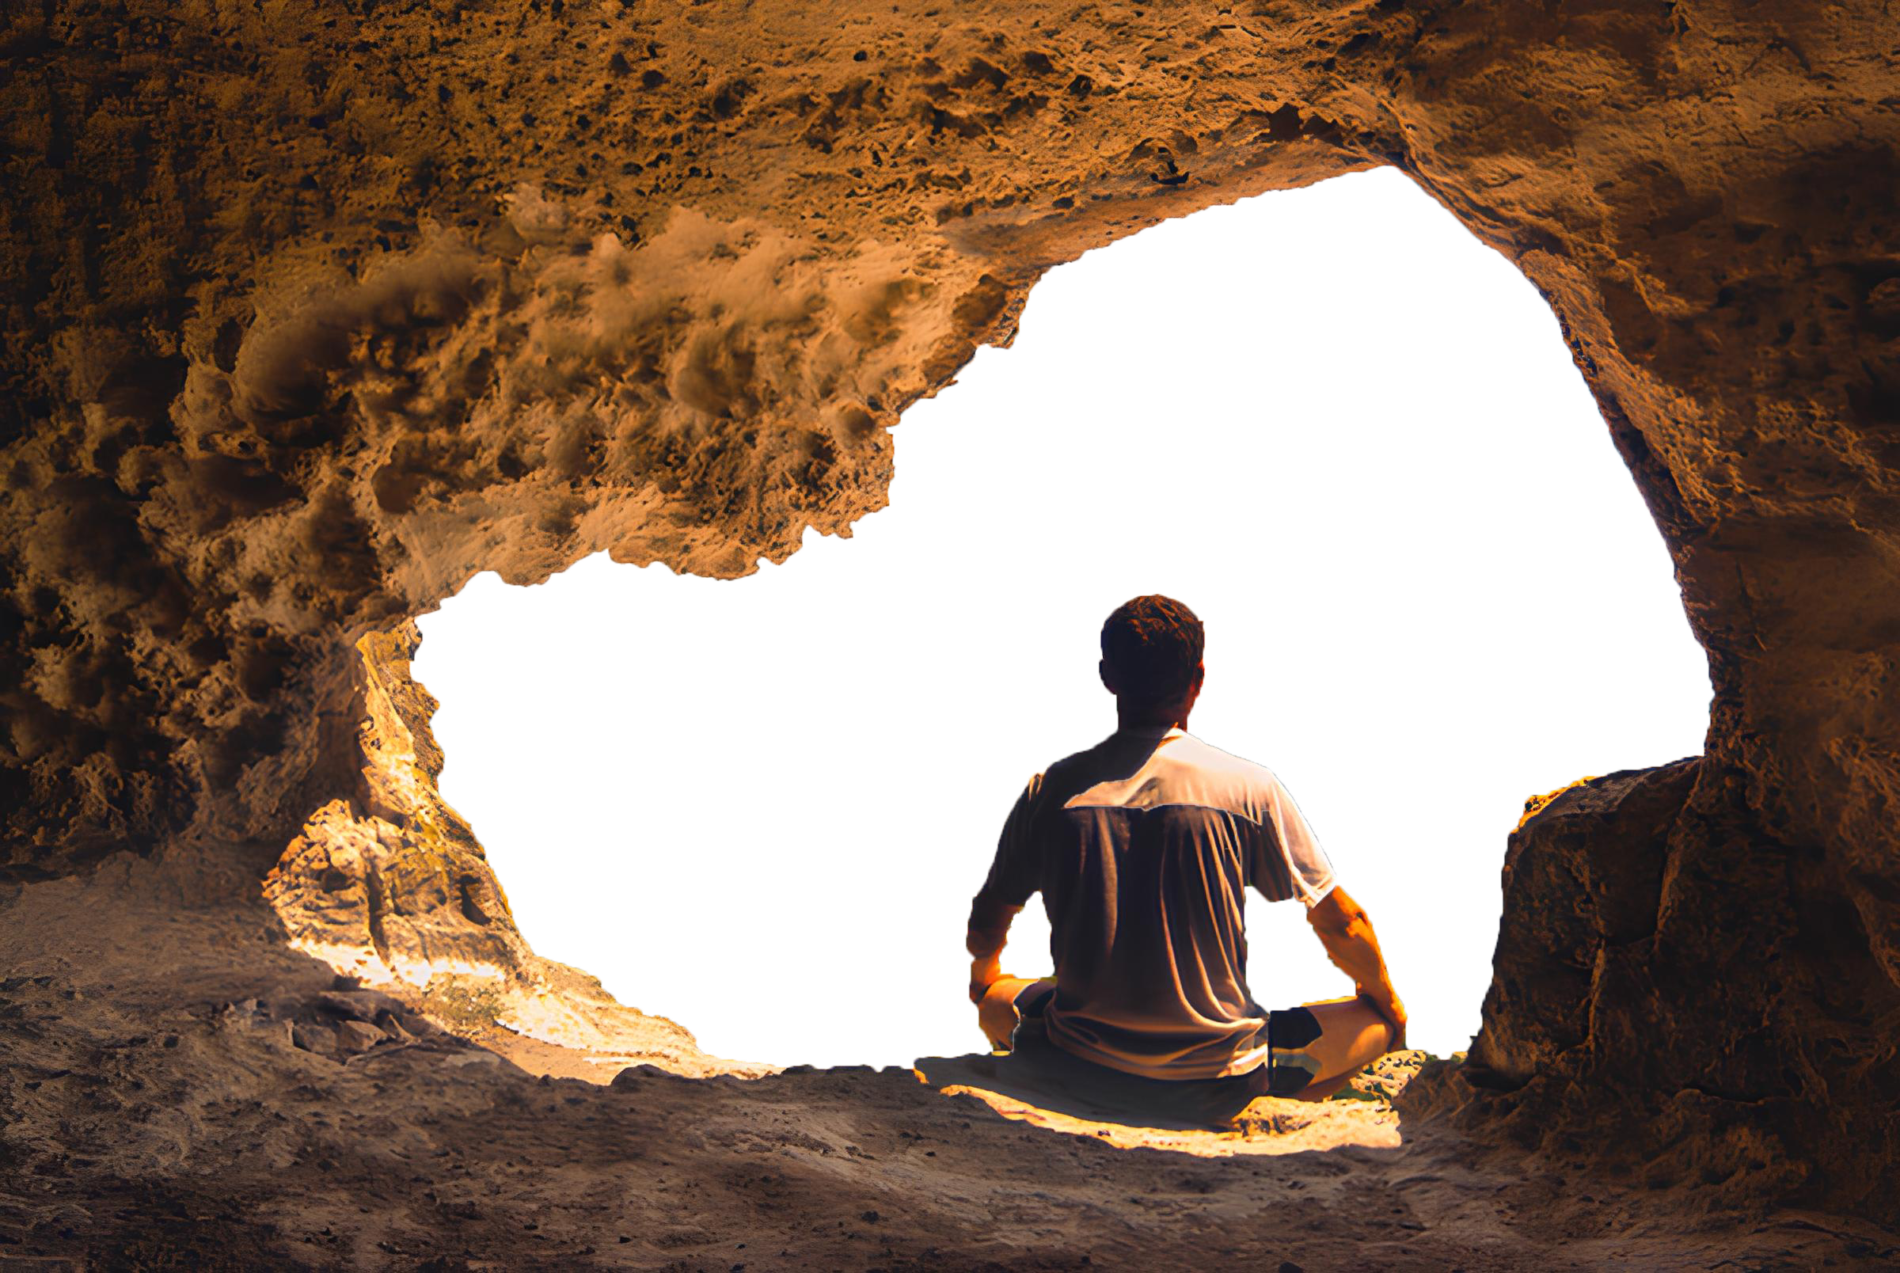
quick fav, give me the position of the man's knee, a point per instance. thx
(1375, 1039)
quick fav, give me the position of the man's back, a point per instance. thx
(1142, 847)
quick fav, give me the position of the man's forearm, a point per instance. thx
(988, 934)
(1354, 950)
(985, 954)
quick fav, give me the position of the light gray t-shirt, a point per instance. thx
(1142, 847)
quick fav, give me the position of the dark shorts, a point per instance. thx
(1288, 1070)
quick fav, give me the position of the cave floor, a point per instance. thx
(152, 1116)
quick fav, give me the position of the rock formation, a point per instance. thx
(312, 314)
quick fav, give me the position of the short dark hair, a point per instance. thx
(1152, 645)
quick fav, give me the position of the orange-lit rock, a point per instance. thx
(313, 313)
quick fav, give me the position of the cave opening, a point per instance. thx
(1338, 426)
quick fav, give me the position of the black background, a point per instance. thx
(1332, 422)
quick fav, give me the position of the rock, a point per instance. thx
(353, 1037)
(265, 406)
(473, 1056)
(1883, 301)
(1582, 878)
(359, 1005)
(390, 1025)
(320, 1039)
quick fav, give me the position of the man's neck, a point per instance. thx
(1127, 721)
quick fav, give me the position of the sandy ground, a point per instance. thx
(156, 1112)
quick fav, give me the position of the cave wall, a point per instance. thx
(313, 313)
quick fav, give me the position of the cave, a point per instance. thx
(1335, 524)
(312, 315)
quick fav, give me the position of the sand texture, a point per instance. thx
(161, 1111)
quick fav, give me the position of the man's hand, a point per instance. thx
(997, 1014)
(1386, 1002)
(985, 971)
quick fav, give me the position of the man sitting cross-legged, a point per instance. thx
(1142, 847)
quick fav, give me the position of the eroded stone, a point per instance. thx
(308, 321)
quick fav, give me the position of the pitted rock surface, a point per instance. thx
(312, 314)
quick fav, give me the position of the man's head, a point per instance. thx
(1151, 658)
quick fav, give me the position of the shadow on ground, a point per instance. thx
(157, 1111)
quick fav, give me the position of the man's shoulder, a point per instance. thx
(1206, 756)
(1064, 772)
(1191, 769)
(1086, 758)
(1074, 760)
(1078, 770)
(1246, 786)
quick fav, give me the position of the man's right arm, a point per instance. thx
(1013, 877)
(1346, 932)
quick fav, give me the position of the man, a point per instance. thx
(1142, 847)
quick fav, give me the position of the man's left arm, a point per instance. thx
(989, 933)
(1013, 878)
